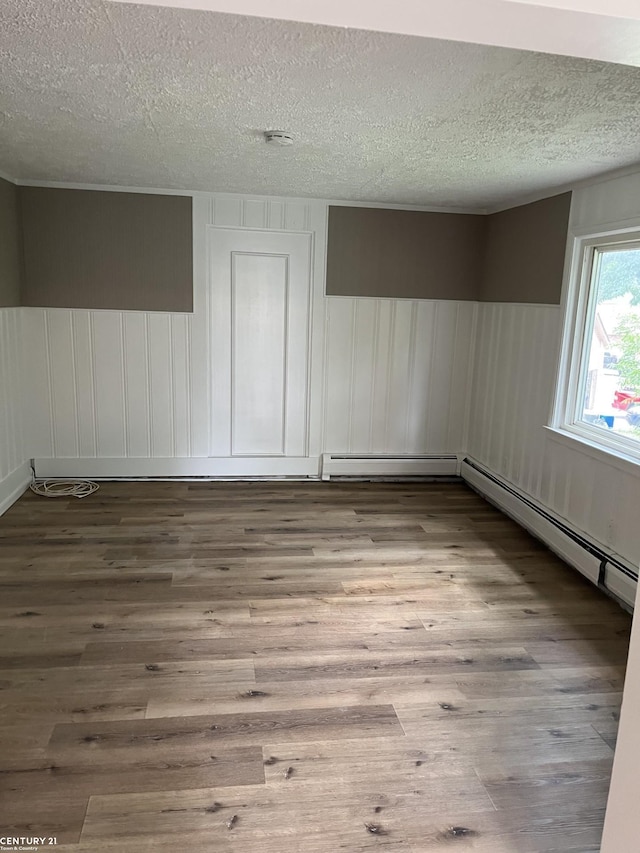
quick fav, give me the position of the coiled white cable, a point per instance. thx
(64, 488)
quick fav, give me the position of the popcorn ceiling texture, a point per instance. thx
(106, 93)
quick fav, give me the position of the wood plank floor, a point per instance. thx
(299, 667)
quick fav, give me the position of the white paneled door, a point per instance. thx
(260, 284)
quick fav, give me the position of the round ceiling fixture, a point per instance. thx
(278, 137)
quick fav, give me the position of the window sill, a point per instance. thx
(609, 456)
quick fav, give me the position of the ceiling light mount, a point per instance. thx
(278, 137)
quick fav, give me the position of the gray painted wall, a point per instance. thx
(133, 251)
(10, 246)
(403, 253)
(525, 251)
(94, 249)
(513, 256)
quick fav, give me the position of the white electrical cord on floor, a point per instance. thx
(64, 488)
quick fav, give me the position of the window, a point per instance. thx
(599, 398)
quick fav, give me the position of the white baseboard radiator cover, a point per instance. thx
(607, 570)
(346, 465)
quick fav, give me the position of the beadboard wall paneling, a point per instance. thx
(511, 396)
(108, 384)
(14, 470)
(121, 385)
(396, 375)
(512, 387)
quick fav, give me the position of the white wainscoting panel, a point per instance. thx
(107, 384)
(14, 469)
(397, 374)
(512, 390)
(513, 383)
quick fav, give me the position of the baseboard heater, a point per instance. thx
(346, 465)
(604, 568)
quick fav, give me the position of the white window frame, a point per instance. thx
(579, 317)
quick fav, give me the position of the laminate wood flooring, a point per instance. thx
(299, 667)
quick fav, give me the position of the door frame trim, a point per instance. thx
(315, 226)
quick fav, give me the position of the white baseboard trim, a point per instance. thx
(581, 552)
(344, 465)
(13, 486)
(205, 466)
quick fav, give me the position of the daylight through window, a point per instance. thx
(607, 396)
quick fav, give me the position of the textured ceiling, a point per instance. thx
(105, 93)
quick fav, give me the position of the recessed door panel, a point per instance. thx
(259, 300)
(259, 308)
